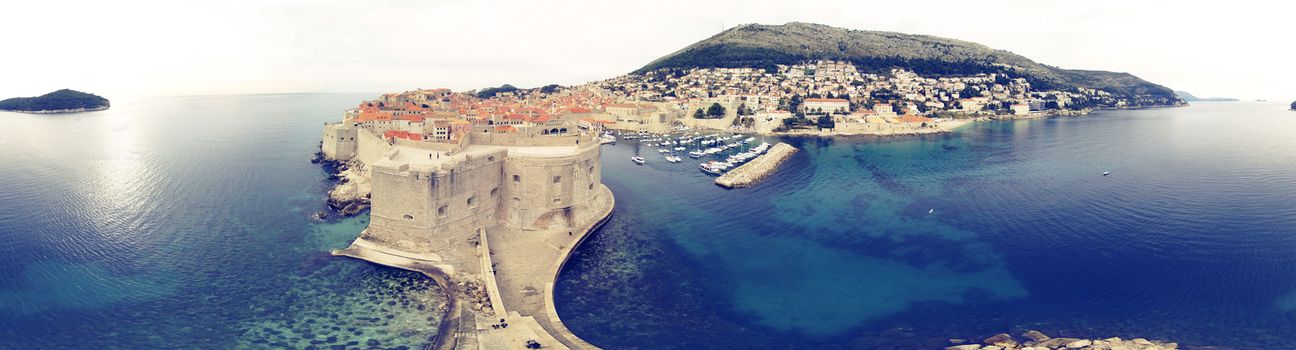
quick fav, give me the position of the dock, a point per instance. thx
(757, 169)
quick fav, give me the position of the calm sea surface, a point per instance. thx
(185, 223)
(1192, 238)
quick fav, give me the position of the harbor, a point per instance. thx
(716, 153)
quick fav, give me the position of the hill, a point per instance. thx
(765, 46)
(55, 102)
(1190, 98)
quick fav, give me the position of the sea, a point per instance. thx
(188, 222)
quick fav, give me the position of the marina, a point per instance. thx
(717, 153)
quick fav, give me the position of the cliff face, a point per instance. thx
(764, 46)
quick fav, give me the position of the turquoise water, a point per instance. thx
(1192, 238)
(185, 223)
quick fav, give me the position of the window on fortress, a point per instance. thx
(409, 217)
(557, 179)
(591, 186)
(472, 202)
(517, 178)
(495, 192)
(557, 200)
(441, 211)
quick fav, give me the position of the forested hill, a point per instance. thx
(62, 100)
(765, 46)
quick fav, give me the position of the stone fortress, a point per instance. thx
(489, 208)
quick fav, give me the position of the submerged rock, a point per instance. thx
(1001, 340)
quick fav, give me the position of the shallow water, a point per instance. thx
(185, 223)
(1192, 238)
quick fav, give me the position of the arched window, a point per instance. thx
(544, 132)
(553, 131)
(562, 131)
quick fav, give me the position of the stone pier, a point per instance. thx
(757, 169)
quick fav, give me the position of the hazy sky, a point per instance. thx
(1238, 48)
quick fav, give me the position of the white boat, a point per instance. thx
(606, 139)
(637, 160)
(1105, 173)
(673, 159)
(711, 167)
(696, 154)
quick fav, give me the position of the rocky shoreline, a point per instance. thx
(1035, 340)
(57, 111)
(350, 195)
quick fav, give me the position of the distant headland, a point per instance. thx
(1190, 98)
(61, 101)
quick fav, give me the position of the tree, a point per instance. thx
(699, 114)
(743, 110)
(969, 91)
(795, 103)
(716, 110)
(883, 94)
(491, 92)
(826, 122)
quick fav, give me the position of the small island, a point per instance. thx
(1293, 106)
(61, 101)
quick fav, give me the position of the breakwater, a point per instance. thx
(757, 169)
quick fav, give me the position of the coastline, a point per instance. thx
(513, 282)
(940, 128)
(59, 111)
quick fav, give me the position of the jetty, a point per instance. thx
(757, 169)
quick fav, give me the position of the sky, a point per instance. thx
(1239, 48)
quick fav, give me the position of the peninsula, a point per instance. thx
(61, 101)
(1191, 98)
(486, 196)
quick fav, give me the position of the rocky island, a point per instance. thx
(61, 101)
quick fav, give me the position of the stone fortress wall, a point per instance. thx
(434, 196)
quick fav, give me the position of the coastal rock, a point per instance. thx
(1035, 335)
(351, 194)
(319, 216)
(1079, 344)
(1001, 340)
(964, 347)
